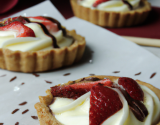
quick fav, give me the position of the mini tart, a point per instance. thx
(38, 61)
(45, 116)
(110, 18)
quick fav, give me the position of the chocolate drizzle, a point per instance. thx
(138, 108)
(58, 24)
(48, 81)
(34, 117)
(128, 4)
(25, 111)
(48, 33)
(54, 43)
(137, 73)
(152, 75)
(22, 83)
(23, 103)
(66, 74)
(36, 75)
(14, 111)
(90, 79)
(116, 72)
(13, 79)
(59, 27)
(17, 123)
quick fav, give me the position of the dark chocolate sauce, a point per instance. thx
(66, 74)
(3, 75)
(54, 43)
(48, 81)
(59, 27)
(13, 79)
(92, 74)
(22, 83)
(83, 79)
(1, 123)
(17, 123)
(23, 103)
(36, 75)
(14, 111)
(128, 4)
(34, 117)
(92, 79)
(153, 75)
(47, 32)
(58, 24)
(116, 72)
(25, 111)
(138, 108)
(137, 74)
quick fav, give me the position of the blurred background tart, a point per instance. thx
(112, 13)
(36, 44)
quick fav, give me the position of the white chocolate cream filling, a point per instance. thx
(42, 41)
(112, 5)
(76, 112)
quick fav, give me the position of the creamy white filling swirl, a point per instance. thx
(42, 41)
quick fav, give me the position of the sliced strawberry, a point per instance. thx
(132, 88)
(97, 2)
(76, 90)
(104, 102)
(19, 28)
(52, 27)
(20, 19)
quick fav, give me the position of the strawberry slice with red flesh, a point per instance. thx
(76, 90)
(52, 27)
(132, 88)
(20, 19)
(104, 102)
(97, 2)
(19, 28)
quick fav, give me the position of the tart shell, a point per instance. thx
(45, 116)
(38, 61)
(110, 18)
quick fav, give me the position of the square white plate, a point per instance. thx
(105, 53)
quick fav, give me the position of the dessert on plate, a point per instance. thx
(36, 44)
(100, 100)
(112, 13)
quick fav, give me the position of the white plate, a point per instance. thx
(111, 53)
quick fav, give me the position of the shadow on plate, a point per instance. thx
(87, 58)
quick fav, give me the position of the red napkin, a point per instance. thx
(149, 29)
(19, 6)
(6, 5)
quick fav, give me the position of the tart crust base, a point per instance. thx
(45, 116)
(38, 61)
(110, 18)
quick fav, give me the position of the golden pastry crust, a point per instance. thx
(46, 118)
(38, 61)
(110, 18)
